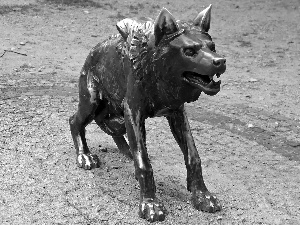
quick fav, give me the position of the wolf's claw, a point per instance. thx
(88, 161)
(205, 201)
(152, 210)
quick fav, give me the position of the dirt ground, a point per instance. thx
(248, 135)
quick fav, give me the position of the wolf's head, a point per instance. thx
(187, 53)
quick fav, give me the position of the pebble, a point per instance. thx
(17, 9)
(41, 68)
(253, 80)
(115, 167)
(104, 150)
(219, 218)
(22, 43)
(250, 125)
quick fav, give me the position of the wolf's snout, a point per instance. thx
(219, 62)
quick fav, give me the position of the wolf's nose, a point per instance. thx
(219, 62)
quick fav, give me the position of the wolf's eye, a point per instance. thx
(189, 52)
(212, 46)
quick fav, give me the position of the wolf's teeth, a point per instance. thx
(216, 78)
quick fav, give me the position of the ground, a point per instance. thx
(247, 135)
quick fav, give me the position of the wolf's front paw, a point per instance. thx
(88, 161)
(152, 210)
(205, 201)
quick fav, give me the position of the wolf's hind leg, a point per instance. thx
(123, 145)
(89, 102)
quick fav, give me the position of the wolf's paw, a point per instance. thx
(152, 210)
(205, 201)
(88, 161)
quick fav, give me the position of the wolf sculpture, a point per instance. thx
(151, 68)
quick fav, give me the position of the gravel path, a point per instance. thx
(248, 135)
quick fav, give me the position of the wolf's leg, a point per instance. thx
(149, 208)
(115, 126)
(123, 145)
(88, 103)
(202, 199)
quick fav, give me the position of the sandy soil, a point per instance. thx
(248, 135)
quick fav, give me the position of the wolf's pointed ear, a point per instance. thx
(122, 27)
(164, 24)
(122, 32)
(203, 19)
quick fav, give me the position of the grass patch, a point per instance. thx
(244, 43)
(5, 9)
(78, 3)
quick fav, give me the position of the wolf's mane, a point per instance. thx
(138, 35)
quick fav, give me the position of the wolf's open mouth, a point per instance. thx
(208, 84)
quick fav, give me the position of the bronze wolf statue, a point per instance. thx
(151, 68)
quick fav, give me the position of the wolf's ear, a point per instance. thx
(123, 27)
(203, 19)
(164, 24)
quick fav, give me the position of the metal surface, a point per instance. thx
(150, 69)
